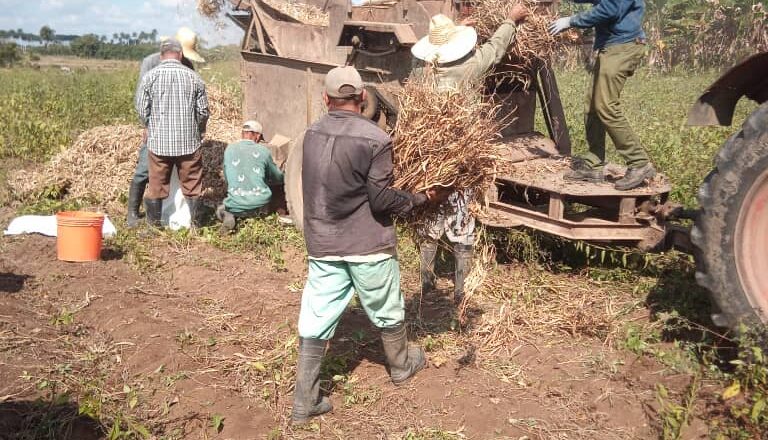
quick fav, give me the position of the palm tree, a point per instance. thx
(46, 34)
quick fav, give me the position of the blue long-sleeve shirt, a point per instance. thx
(615, 21)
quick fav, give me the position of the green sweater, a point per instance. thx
(248, 167)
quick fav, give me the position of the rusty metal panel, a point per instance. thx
(283, 94)
(286, 94)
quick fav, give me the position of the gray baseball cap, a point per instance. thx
(170, 45)
(343, 82)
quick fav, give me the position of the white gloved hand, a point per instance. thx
(559, 25)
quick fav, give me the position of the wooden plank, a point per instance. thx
(258, 12)
(259, 27)
(588, 229)
(547, 174)
(627, 210)
(249, 34)
(553, 110)
(556, 207)
(522, 147)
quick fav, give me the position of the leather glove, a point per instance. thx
(559, 25)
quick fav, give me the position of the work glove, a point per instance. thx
(559, 25)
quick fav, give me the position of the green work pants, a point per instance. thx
(603, 110)
(331, 285)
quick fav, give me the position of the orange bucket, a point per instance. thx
(78, 235)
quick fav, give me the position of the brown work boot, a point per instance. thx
(635, 177)
(581, 172)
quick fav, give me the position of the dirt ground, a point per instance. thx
(209, 336)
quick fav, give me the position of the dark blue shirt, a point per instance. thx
(615, 21)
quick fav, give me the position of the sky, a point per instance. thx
(109, 17)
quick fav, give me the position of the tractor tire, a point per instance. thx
(731, 231)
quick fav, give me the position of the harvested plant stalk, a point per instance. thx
(302, 12)
(533, 43)
(100, 163)
(445, 138)
(210, 8)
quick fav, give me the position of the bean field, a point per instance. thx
(192, 334)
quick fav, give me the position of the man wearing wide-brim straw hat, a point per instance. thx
(189, 41)
(449, 52)
(450, 49)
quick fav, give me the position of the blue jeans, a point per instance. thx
(141, 174)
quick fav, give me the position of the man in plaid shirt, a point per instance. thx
(173, 105)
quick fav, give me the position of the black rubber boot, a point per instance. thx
(428, 251)
(227, 219)
(635, 177)
(307, 402)
(194, 210)
(404, 362)
(154, 208)
(135, 196)
(463, 255)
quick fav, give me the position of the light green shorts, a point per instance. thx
(331, 285)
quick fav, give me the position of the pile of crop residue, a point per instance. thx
(99, 165)
(302, 12)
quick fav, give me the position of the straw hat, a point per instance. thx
(446, 42)
(188, 39)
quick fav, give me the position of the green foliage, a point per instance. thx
(698, 33)
(42, 111)
(746, 398)
(217, 422)
(86, 46)
(264, 237)
(47, 34)
(702, 33)
(9, 54)
(674, 416)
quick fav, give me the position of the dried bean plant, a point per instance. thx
(532, 45)
(302, 12)
(99, 165)
(445, 138)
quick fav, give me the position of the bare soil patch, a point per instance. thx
(211, 333)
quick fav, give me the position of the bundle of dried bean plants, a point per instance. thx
(99, 165)
(533, 43)
(445, 138)
(210, 8)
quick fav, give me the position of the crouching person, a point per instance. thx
(248, 170)
(350, 237)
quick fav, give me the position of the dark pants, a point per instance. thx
(190, 169)
(141, 174)
(603, 110)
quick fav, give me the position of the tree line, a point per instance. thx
(119, 45)
(49, 35)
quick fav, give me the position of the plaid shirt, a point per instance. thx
(173, 105)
